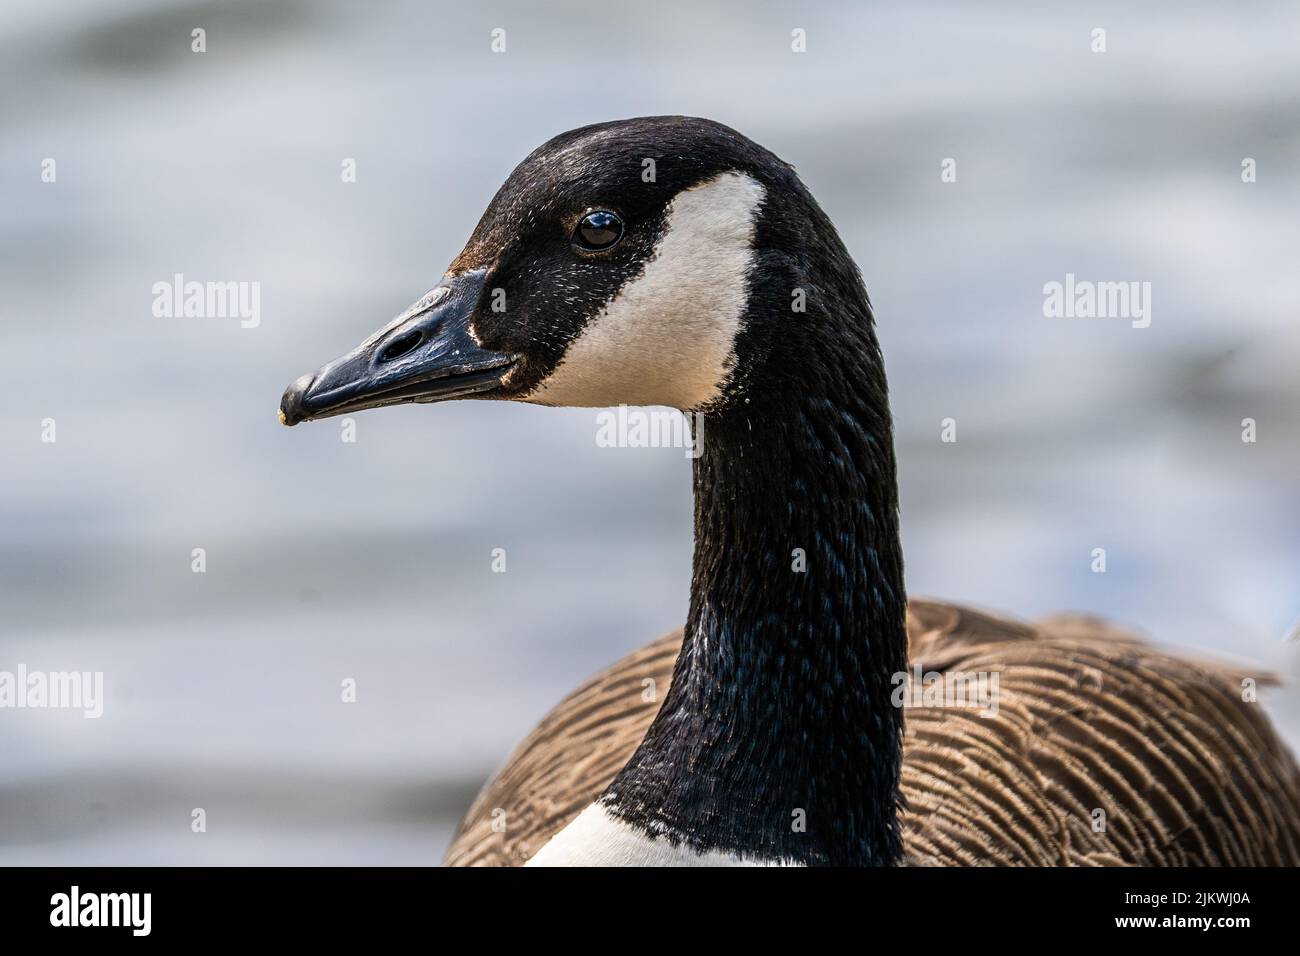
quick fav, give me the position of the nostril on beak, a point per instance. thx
(401, 345)
(291, 404)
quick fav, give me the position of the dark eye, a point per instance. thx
(598, 230)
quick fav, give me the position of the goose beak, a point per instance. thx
(426, 354)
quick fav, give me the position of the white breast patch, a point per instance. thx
(667, 337)
(596, 838)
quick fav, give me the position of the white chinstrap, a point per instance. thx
(668, 336)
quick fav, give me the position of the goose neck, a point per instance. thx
(778, 739)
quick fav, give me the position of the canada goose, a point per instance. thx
(654, 262)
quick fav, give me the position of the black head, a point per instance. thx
(648, 261)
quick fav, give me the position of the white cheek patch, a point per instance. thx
(667, 337)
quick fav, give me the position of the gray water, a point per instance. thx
(371, 560)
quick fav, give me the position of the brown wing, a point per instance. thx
(1103, 751)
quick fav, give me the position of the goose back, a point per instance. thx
(1103, 751)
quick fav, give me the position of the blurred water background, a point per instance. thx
(371, 561)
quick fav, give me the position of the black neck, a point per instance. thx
(780, 707)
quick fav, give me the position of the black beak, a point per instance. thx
(427, 354)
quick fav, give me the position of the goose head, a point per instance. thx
(651, 261)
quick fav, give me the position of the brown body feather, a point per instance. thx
(1089, 718)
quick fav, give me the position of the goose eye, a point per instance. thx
(598, 230)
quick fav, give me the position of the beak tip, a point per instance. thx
(291, 405)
